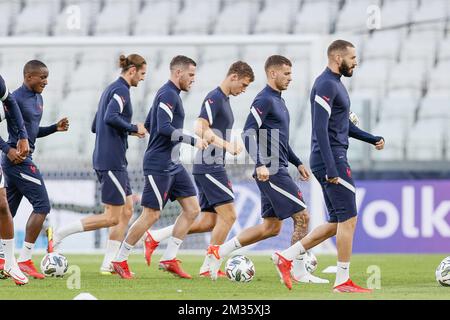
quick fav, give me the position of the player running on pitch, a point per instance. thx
(330, 109)
(266, 137)
(112, 125)
(215, 192)
(10, 111)
(24, 178)
(165, 176)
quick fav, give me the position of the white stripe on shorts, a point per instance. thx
(287, 194)
(347, 185)
(118, 185)
(220, 185)
(156, 191)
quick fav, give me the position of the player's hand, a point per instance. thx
(304, 173)
(380, 144)
(23, 148)
(14, 156)
(334, 180)
(62, 125)
(201, 144)
(234, 147)
(262, 173)
(141, 131)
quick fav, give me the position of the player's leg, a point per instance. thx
(342, 196)
(270, 227)
(27, 181)
(147, 218)
(216, 201)
(190, 211)
(116, 236)
(9, 266)
(204, 223)
(153, 201)
(184, 192)
(113, 185)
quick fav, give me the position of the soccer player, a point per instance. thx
(112, 125)
(266, 137)
(15, 154)
(24, 178)
(165, 176)
(215, 192)
(331, 127)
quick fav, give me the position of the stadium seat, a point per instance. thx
(161, 13)
(9, 10)
(308, 21)
(210, 76)
(116, 18)
(415, 81)
(214, 53)
(66, 25)
(36, 18)
(237, 17)
(435, 107)
(398, 107)
(371, 75)
(196, 17)
(431, 15)
(421, 47)
(277, 17)
(390, 10)
(353, 16)
(424, 143)
(383, 45)
(394, 132)
(439, 78)
(443, 50)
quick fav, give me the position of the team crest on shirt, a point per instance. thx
(300, 195)
(349, 172)
(33, 169)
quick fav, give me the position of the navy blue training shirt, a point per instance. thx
(112, 125)
(269, 112)
(12, 115)
(31, 106)
(216, 109)
(331, 126)
(165, 122)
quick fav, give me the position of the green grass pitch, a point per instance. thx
(402, 277)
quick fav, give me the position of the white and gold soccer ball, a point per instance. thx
(54, 265)
(443, 272)
(310, 262)
(240, 269)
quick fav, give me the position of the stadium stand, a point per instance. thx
(403, 71)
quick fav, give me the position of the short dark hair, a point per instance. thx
(181, 61)
(242, 69)
(276, 60)
(32, 66)
(339, 45)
